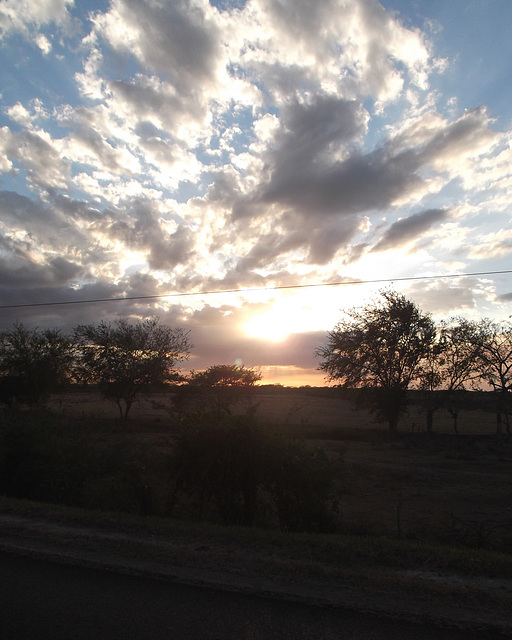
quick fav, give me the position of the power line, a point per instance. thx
(251, 289)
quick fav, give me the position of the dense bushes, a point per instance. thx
(251, 474)
(225, 468)
(38, 461)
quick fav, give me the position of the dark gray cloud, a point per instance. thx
(18, 209)
(308, 175)
(57, 225)
(445, 297)
(139, 227)
(328, 239)
(359, 184)
(175, 40)
(26, 273)
(457, 138)
(408, 229)
(309, 136)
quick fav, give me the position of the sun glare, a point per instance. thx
(290, 314)
(271, 325)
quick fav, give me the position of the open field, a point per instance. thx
(446, 488)
(305, 409)
(424, 527)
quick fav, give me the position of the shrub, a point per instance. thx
(302, 483)
(36, 461)
(233, 461)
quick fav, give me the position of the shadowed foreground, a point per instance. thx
(46, 600)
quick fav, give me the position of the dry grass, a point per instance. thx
(443, 488)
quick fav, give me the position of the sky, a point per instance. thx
(211, 161)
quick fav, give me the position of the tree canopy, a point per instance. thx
(33, 363)
(225, 384)
(379, 348)
(494, 348)
(451, 362)
(125, 358)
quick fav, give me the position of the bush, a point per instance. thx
(219, 458)
(234, 462)
(37, 462)
(302, 483)
(247, 474)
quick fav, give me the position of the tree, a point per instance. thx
(33, 363)
(451, 362)
(379, 348)
(226, 385)
(125, 358)
(494, 343)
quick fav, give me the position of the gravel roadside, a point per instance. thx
(253, 566)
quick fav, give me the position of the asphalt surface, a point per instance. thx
(43, 600)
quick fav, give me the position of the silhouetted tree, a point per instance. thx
(225, 385)
(125, 358)
(451, 361)
(379, 348)
(494, 343)
(33, 363)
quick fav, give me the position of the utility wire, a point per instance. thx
(251, 289)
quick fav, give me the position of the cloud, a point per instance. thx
(57, 271)
(265, 143)
(140, 227)
(218, 338)
(362, 49)
(51, 228)
(407, 229)
(496, 244)
(447, 297)
(39, 155)
(177, 40)
(24, 16)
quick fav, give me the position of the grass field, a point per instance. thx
(442, 488)
(425, 520)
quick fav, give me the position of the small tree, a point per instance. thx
(450, 363)
(226, 385)
(494, 343)
(125, 359)
(380, 348)
(33, 363)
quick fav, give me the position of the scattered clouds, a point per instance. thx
(266, 143)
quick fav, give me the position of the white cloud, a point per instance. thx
(24, 15)
(43, 43)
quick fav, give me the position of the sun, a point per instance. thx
(297, 312)
(272, 325)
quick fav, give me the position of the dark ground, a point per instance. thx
(46, 600)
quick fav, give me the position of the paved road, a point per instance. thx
(40, 600)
